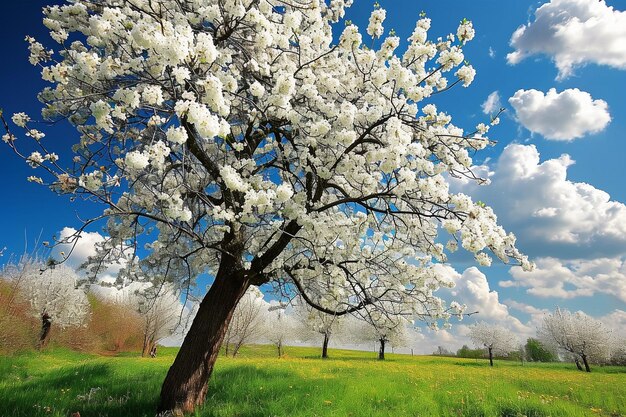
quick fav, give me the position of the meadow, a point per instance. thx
(60, 382)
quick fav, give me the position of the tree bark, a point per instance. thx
(577, 361)
(490, 357)
(185, 385)
(44, 336)
(325, 346)
(381, 350)
(586, 362)
(148, 345)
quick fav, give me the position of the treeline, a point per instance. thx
(42, 306)
(532, 351)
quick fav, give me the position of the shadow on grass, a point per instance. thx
(91, 389)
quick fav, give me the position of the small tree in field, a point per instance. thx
(52, 295)
(240, 139)
(318, 323)
(577, 335)
(538, 352)
(248, 322)
(157, 303)
(496, 339)
(281, 328)
(161, 311)
(385, 330)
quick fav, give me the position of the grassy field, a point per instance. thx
(59, 382)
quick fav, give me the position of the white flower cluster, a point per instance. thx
(465, 31)
(375, 28)
(20, 119)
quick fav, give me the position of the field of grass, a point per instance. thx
(59, 382)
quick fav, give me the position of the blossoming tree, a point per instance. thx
(577, 336)
(52, 294)
(316, 323)
(385, 328)
(241, 139)
(496, 339)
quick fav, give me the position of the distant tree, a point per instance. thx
(618, 353)
(248, 322)
(467, 352)
(579, 336)
(115, 325)
(442, 351)
(52, 295)
(281, 328)
(384, 329)
(157, 303)
(538, 352)
(161, 310)
(317, 323)
(496, 339)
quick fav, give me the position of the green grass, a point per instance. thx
(59, 382)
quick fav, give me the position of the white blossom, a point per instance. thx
(20, 119)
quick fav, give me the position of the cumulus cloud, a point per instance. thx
(551, 215)
(472, 289)
(565, 116)
(616, 321)
(572, 278)
(573, 33)
(573, 231)
(78, 251)
(492, 104)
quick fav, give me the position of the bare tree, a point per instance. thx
(282, 328)
(248, 322)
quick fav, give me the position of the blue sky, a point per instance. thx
(577, 234)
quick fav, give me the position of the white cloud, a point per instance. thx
(616, 321)
(551, 215)
(565, 116)
(572, 278)
(525, 308)
(492, 52)
(572, 33)
(573, 231)
(472, 289)
(81, 249)
(492, 104)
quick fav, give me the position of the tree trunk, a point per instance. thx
(577, 361)
(148, 346)
(325, 346)
(279, 346)
(587, 368)
(44, 336)
(381, 350)
(236, 348)
(185, 385)
(490, 357)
